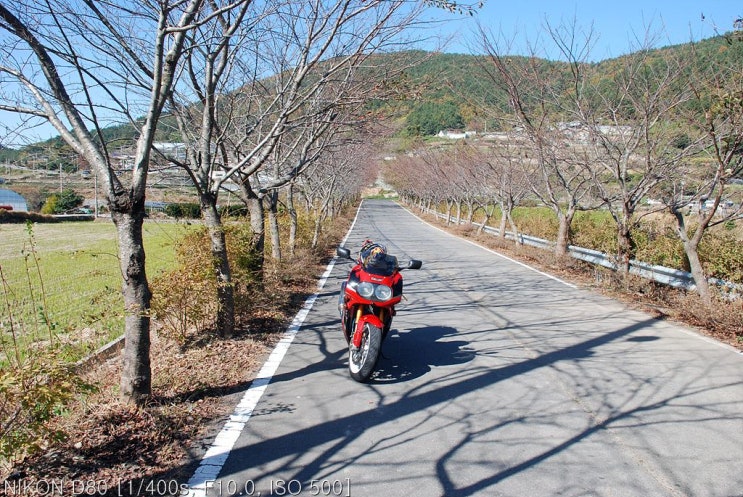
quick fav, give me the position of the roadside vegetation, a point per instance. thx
(61, 302)
(61, 418)
(723, 321)
(655, 241)
(65, 277)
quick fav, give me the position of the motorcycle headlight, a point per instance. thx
(365, 289)
(383, 292)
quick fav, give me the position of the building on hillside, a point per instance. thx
(174, 150)
(11, 201)
(455, 134)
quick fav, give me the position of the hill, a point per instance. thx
(438, 91)
(439, 82)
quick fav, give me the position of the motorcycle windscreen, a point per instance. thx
(382, 266)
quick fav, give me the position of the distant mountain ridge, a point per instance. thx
(452, 87)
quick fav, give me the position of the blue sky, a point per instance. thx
(618, 24)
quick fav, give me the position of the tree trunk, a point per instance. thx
(293, 221)
(273, 222)
(257, 226)
(503, 221)
(484, 222)
(470, 212)
(225, 288)
(565, 221)
(321, 213)
(697, 272)
(136, 374)
(517, 238)
(625, 248)
(691, 249)
(317, 229)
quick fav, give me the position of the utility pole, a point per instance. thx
(95, 194)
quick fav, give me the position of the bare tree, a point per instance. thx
(476, 171)
(545, 97)
(264, 84)
(703, 187)
(508, 180)
(80, 66)
(633, 134)
(433, 178)
(338, 177)
(195, 105)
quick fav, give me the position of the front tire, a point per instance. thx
(361, 361)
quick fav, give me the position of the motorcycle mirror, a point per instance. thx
(414, 264)
(343, 252)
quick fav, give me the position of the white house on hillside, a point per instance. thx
(454, 134)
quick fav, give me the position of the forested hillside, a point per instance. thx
(437, 91)
(454, 91)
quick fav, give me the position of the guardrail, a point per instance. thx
(660, 274)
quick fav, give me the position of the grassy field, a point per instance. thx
(61, 282)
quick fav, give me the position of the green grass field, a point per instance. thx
(62, 283)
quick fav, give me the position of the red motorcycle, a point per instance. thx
(367, 304)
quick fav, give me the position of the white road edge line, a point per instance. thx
(215, 457)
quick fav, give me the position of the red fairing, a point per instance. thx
(393, 281)
(367, 318)
(359, 275)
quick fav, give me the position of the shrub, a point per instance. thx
(536, 221)
(722, 256)
(183, 211)
(595, 230)
(233, 210)
(15, 217)
(185, 299)
(33, 391)
(58, 203)
(657, 244)
(50, 206)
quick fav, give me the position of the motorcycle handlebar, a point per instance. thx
(345, 253)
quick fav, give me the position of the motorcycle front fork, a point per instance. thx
(385, 316)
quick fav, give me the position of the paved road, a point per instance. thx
(498, 381)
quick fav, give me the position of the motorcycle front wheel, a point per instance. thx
(361, 361)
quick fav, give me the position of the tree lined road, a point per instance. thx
(496, 380)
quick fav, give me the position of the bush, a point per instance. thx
(185, 299)
(58, 203)
(595, 230)
(538, 221)
(33, 391)
(657, 243)
(233, 211)
(722, 256)
(183, 211)
(13, 217)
